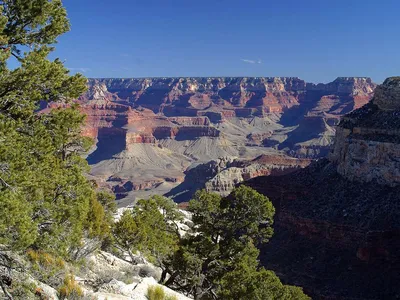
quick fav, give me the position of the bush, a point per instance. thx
(46, 267)
(23, 289)
(45, 259)
(157, 293)
(70, 289)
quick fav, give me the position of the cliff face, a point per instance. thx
(138, 104)
(188, 95)
(150, 130)
(222, 175)
(367, 144)
(343, 213)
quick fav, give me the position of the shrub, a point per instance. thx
(70, 289)
(23, 289)
(155, 293)
(46, 267)
(45, 259)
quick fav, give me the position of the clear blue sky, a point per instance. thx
(316, 40)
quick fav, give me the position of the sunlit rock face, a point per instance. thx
(139, 104)
(269, 94)
(367, 144)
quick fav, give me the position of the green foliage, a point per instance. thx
(100, 216)
(295, 292)
(150, 228)
(246, 281)
(46, 202)
(70, 289)
(23, 289)
(157, 293)
(225, 231)
(219, 258)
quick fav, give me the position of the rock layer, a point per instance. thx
(222, 175)
(367, 145)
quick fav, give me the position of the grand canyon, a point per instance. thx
(128, 173)
(175, 135)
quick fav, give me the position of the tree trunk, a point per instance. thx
(163, 276)
(171, 279)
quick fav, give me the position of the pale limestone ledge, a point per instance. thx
(365, 160)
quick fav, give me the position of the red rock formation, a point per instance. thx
(190, 121)
(186, 95)
(141, 103)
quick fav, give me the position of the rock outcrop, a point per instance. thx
(222, 175)
(99, 276)
(367, 146)
(337, 229)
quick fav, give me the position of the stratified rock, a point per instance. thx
(150, 130)
(222, 175)
(367, 146)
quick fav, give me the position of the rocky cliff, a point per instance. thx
(149, 131)
(367, 145)
(256, 95)
(222, 175)
(312, 108)
(337, 225)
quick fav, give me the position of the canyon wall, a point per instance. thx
(166, 104)
(342, 213)
(151, 132)
(367, 145)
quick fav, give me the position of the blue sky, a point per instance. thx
(316, 40)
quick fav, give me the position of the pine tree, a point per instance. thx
(46, 202)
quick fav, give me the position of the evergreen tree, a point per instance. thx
(218, 259)
(224, 230)
(151, 228)
(46, 202)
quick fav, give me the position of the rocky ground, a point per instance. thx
(99, 276)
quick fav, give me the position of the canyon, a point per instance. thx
(174, 135)
(337, 229)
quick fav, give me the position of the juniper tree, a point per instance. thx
(220, 260)
(151, 228)
(46, 202)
